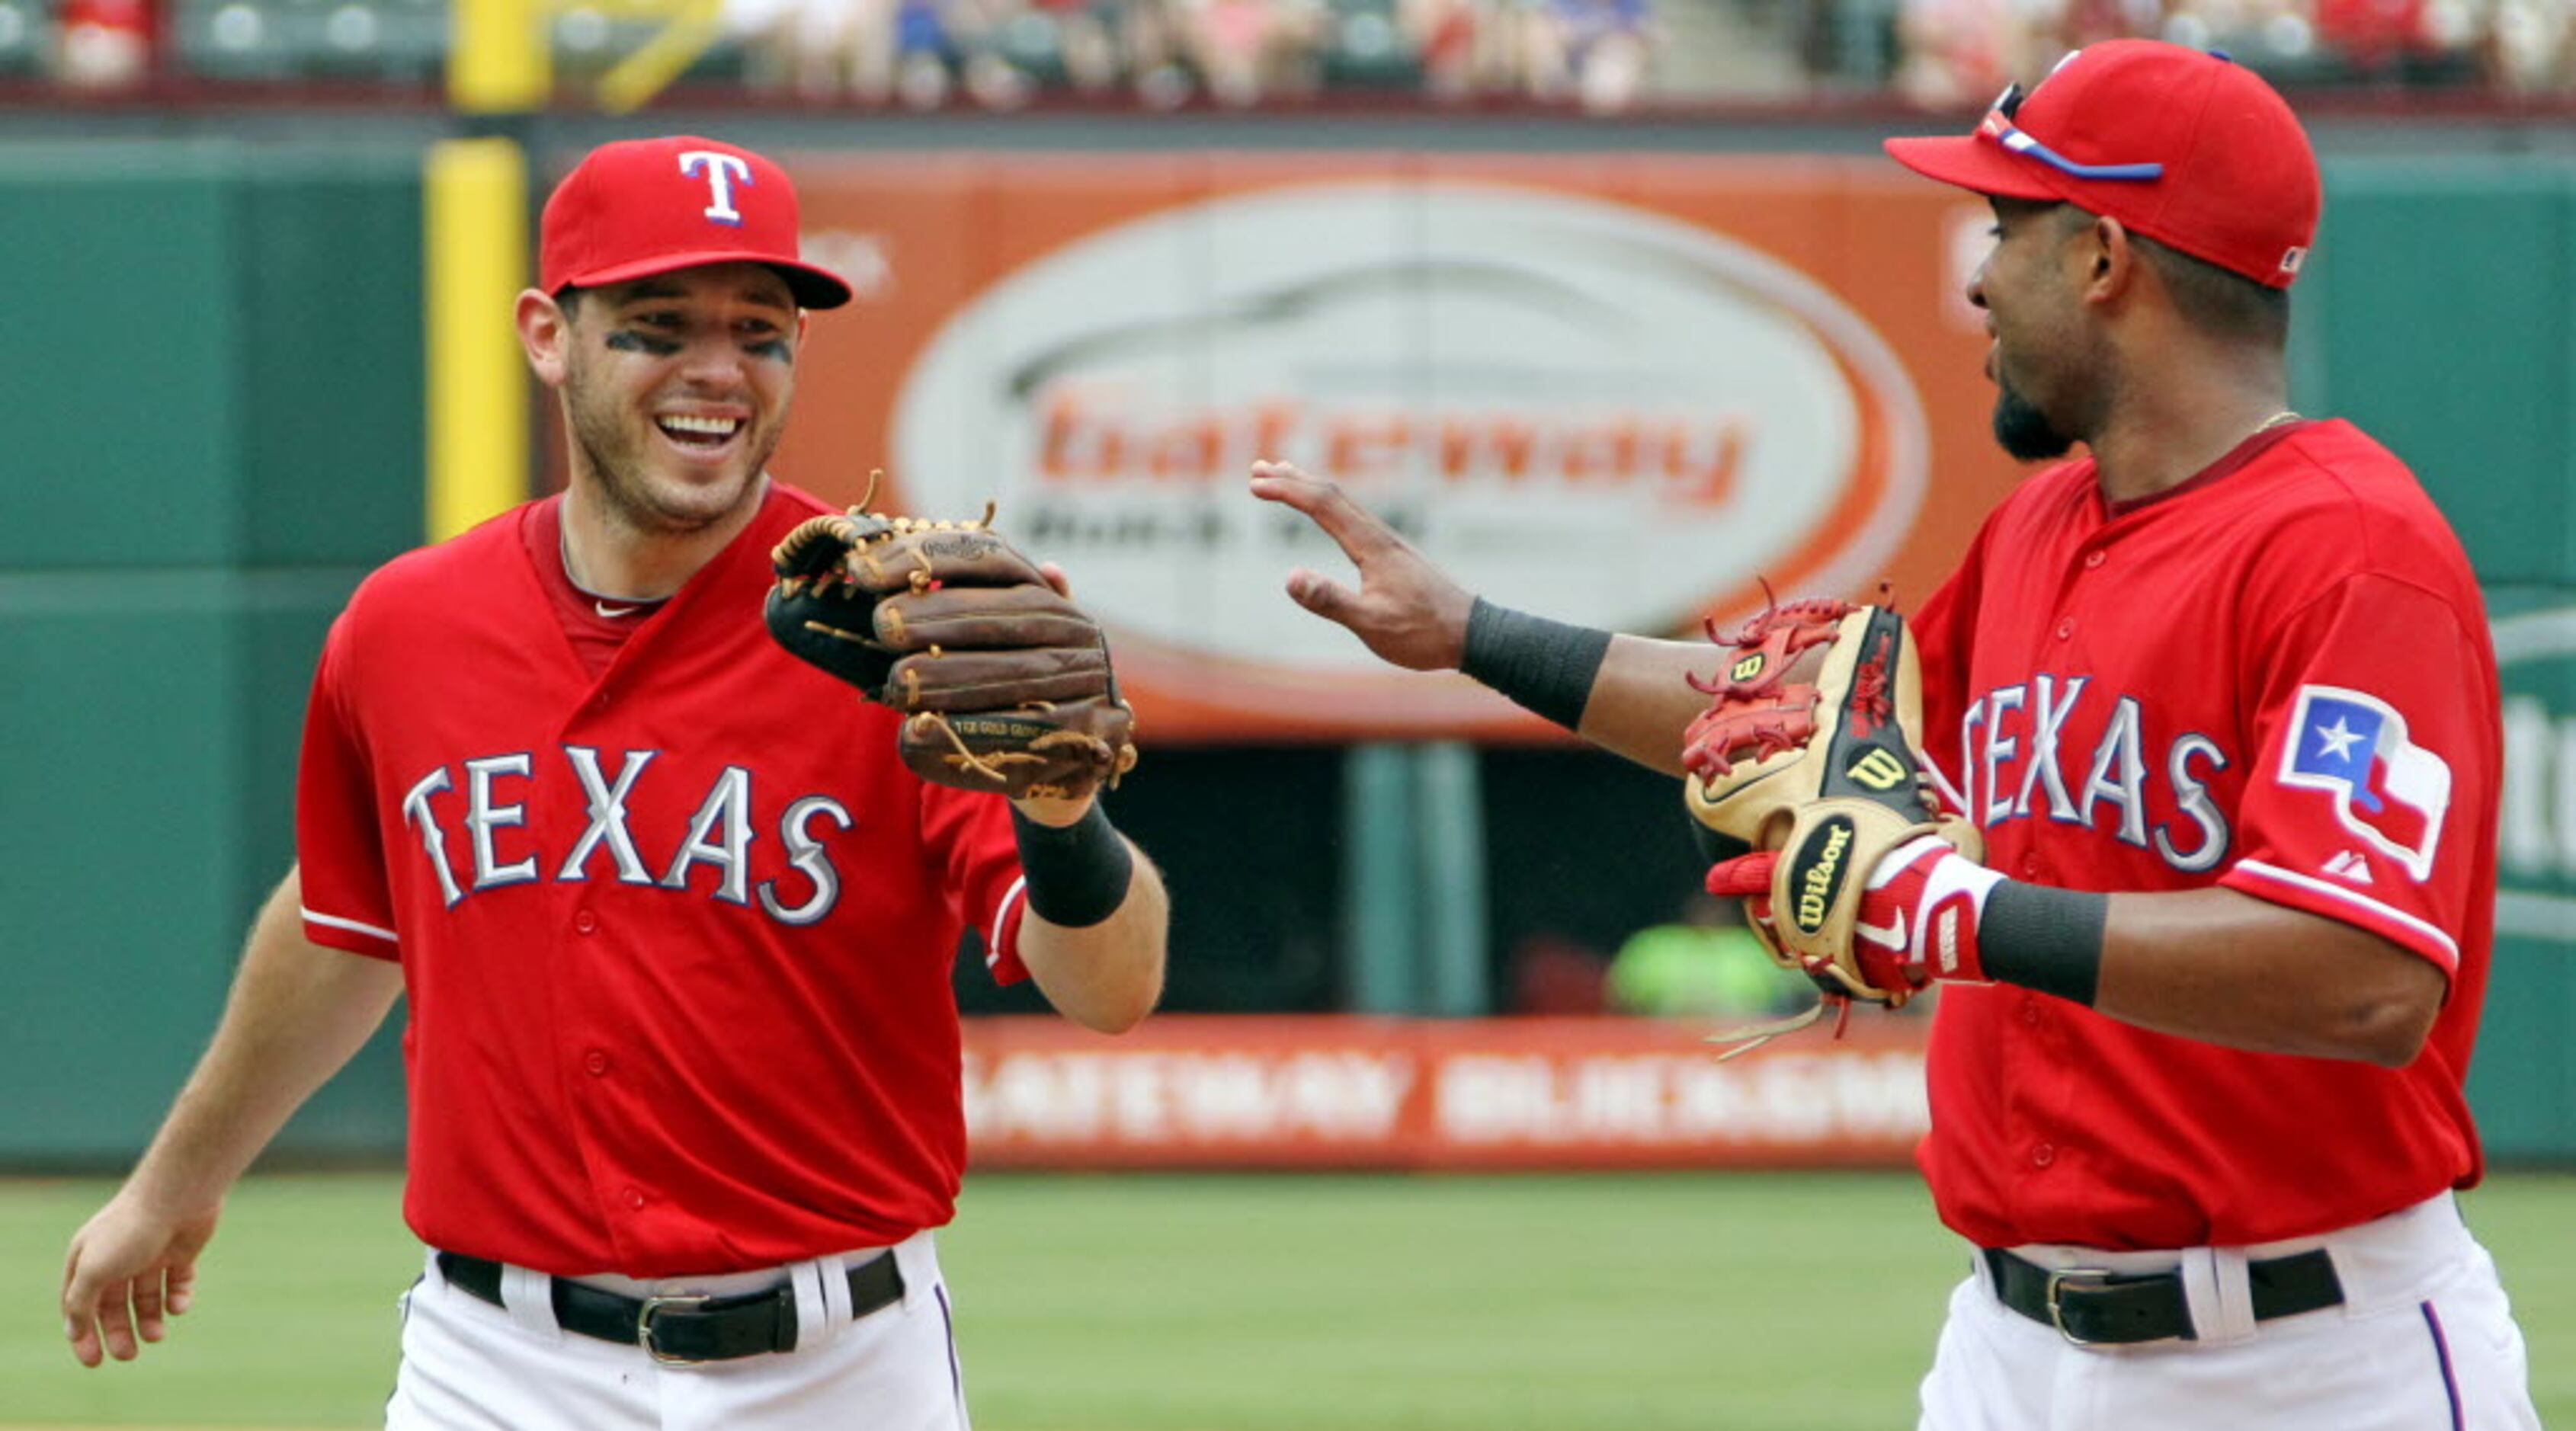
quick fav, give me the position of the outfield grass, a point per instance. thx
(1137, 1303)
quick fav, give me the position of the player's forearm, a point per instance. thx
(1105, 976)
(2207, 964)
(296, 1014)
(2227, 968)
(1642, 700)
(1627, 694)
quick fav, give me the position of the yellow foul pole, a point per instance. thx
(497, 61)
(475, 207)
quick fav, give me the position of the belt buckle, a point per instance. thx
(644, 1317)
(2056, 1312)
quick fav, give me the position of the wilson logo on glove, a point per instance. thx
(1879, 769)
(1816, 873)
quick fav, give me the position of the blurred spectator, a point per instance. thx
(1246, 49)
(1704, 964)
(1085, 41)
(103, 44)
(2529, 46)
(1445, 35)
(817, 49)
(2371, 37)
(1152, 36)
(1956, 53)
(918, 42)
(1594, 51)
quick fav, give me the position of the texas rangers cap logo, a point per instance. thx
(2385, 788)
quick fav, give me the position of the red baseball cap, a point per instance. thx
(2186, 147)
(644, 206)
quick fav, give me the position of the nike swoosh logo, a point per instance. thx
(1893, 937)
(604, 609)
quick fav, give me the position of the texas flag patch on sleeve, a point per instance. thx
(2387, 790)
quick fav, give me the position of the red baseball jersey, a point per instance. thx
(2232, 683)
(676, 926)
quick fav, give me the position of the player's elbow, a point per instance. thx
(2390, 1037)
(1115, 1011)
(2389, 1023)
(1111, 990)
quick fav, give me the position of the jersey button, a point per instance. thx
(2030, 1010)
(2043, 1155)
(635, 1197)
(2092, 560)
(596, 1062)
(585, 921)
(2065, 627)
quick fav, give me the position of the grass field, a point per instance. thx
(1136, 1303)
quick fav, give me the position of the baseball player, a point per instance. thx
(674, 925)
(2219, 694)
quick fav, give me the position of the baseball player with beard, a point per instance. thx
(674, 924)
(2220, 696)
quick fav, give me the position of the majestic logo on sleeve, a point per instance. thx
(2386, 789)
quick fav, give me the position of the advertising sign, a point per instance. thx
(1627, 395)
(1354, 1092)
(2536, 839)
(2523, 1081)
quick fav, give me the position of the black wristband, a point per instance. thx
(1546, 667)
(1077, 873)
(2044, 938)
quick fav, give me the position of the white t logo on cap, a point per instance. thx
(721, 170)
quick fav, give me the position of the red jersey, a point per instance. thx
(2227, 684)
(676, 925)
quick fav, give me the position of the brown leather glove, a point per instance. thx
(1004, 682)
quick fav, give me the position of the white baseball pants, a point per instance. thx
(470, 1366)
(2424, 1341)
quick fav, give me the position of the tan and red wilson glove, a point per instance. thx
(1004, 682)
(1809, 758)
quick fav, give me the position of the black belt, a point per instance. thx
(2089, 1306)
(681, 1330)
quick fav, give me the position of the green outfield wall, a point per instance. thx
(215, 353)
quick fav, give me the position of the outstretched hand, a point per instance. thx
(1407, 610)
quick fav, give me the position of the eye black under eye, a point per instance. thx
(629, 340)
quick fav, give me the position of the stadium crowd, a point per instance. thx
(1603, 56)
(1955, 53)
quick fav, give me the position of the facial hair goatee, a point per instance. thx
(2024, 431)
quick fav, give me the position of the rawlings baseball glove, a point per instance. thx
(1004, 683)
(1810, 748)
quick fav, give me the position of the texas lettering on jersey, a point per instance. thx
(2026, 756)
(482, 803)
(2022, 758)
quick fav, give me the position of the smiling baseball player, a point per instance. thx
(674, 922)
